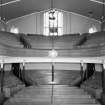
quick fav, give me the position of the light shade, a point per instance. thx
(51, 14)
(14, 30)
(92, 29)
(53, 53)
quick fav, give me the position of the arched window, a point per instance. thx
(53, 23)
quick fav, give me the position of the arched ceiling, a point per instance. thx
(24, 7)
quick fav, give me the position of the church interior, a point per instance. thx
(52, 52)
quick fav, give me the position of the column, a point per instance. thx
(103, 83)
(52, 83)
(52, 72)
(2, 76)
(23, 72)
(81, 71)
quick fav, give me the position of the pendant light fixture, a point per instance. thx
(52, 11)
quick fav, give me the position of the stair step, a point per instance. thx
(33, 96)
(59, 89)
(74, 90)
(80, 101)
(55, 96)
(31, 100)
(57, 100)
(56, 86)
(49, 93)
(48, 103)
(69, 93)
(72, 96)
(62, 95)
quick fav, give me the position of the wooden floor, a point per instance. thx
(51, 94)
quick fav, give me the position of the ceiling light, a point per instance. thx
(92, 29)
(14, 30)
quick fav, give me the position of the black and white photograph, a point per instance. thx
(52, 52)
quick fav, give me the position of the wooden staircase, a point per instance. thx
(52, 94)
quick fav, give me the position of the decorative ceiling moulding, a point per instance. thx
(79, 15)
(28, 15)
(97, 1)
(5, 4)
(102, 19)
(10, 2)
(1, 21)
(55, 9)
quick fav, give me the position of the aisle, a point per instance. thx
(52, 94)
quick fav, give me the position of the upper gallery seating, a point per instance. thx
(95, 39)
(66, 41)
(77, 52)
(10, 39)
(82, 39)
(39, 41)
(24, 40)
(66, 45)
(46, 42)
(61, 42)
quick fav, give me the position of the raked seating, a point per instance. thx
(11, 83)
(39, 41)
(10, 39)
(2, 98)
(60, 76)
(94, 85)
(24, 40)
(42, 45)
(82, 39)
(45, 42)
(66, 41)
(95, 39)
(51, 95)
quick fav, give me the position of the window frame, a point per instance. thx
(56, 23)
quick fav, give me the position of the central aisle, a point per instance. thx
(51, 94)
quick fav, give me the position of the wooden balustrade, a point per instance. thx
(81, 53)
